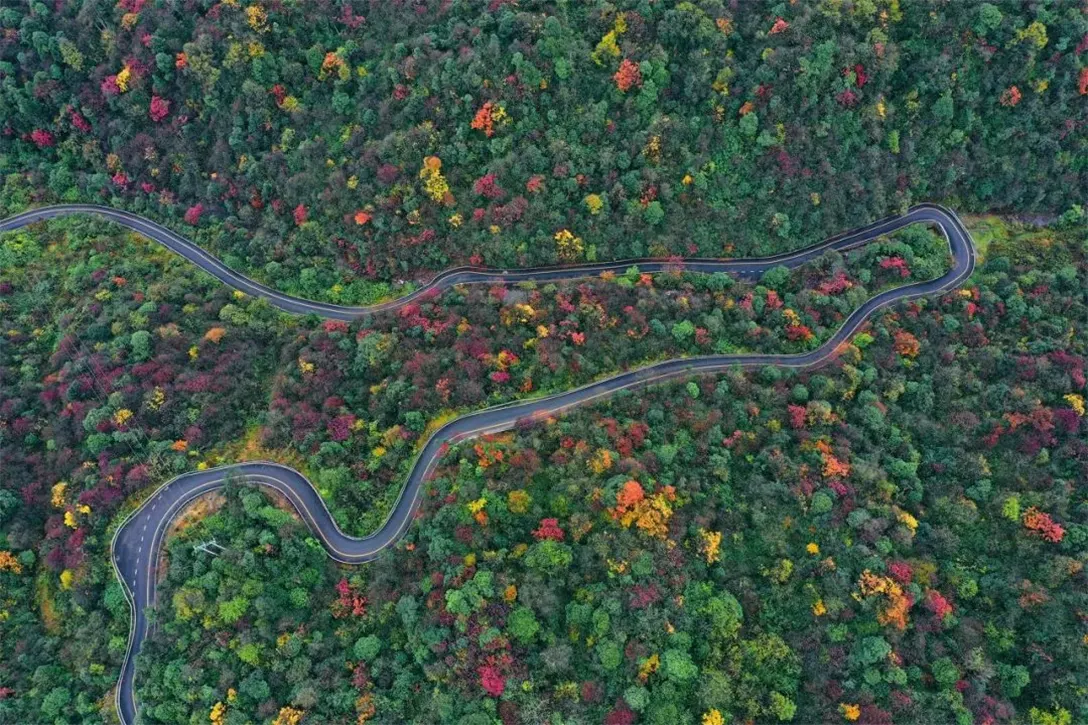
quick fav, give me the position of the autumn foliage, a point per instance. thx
(159, 109)
(1042, 525)
(345, 151)
(628, 76)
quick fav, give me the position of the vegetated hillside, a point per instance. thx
(357, 401)
(143, 367)
(398, 137)
(897, 538)
(122, 365)
(118, 363)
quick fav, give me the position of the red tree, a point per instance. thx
(492, 682)
(42, 138)
(628, 75)
(549, 529)
(159, 109)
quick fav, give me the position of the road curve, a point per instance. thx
(741, 267)
(139, 539)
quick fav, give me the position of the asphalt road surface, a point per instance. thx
(138, 542)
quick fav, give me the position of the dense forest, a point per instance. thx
(357, 406)
(399, 137)
(899, 537)
(118, 361)
(948, 439)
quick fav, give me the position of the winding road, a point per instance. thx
(139, 539)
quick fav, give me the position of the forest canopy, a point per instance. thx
(896, 537)
(332, 149)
